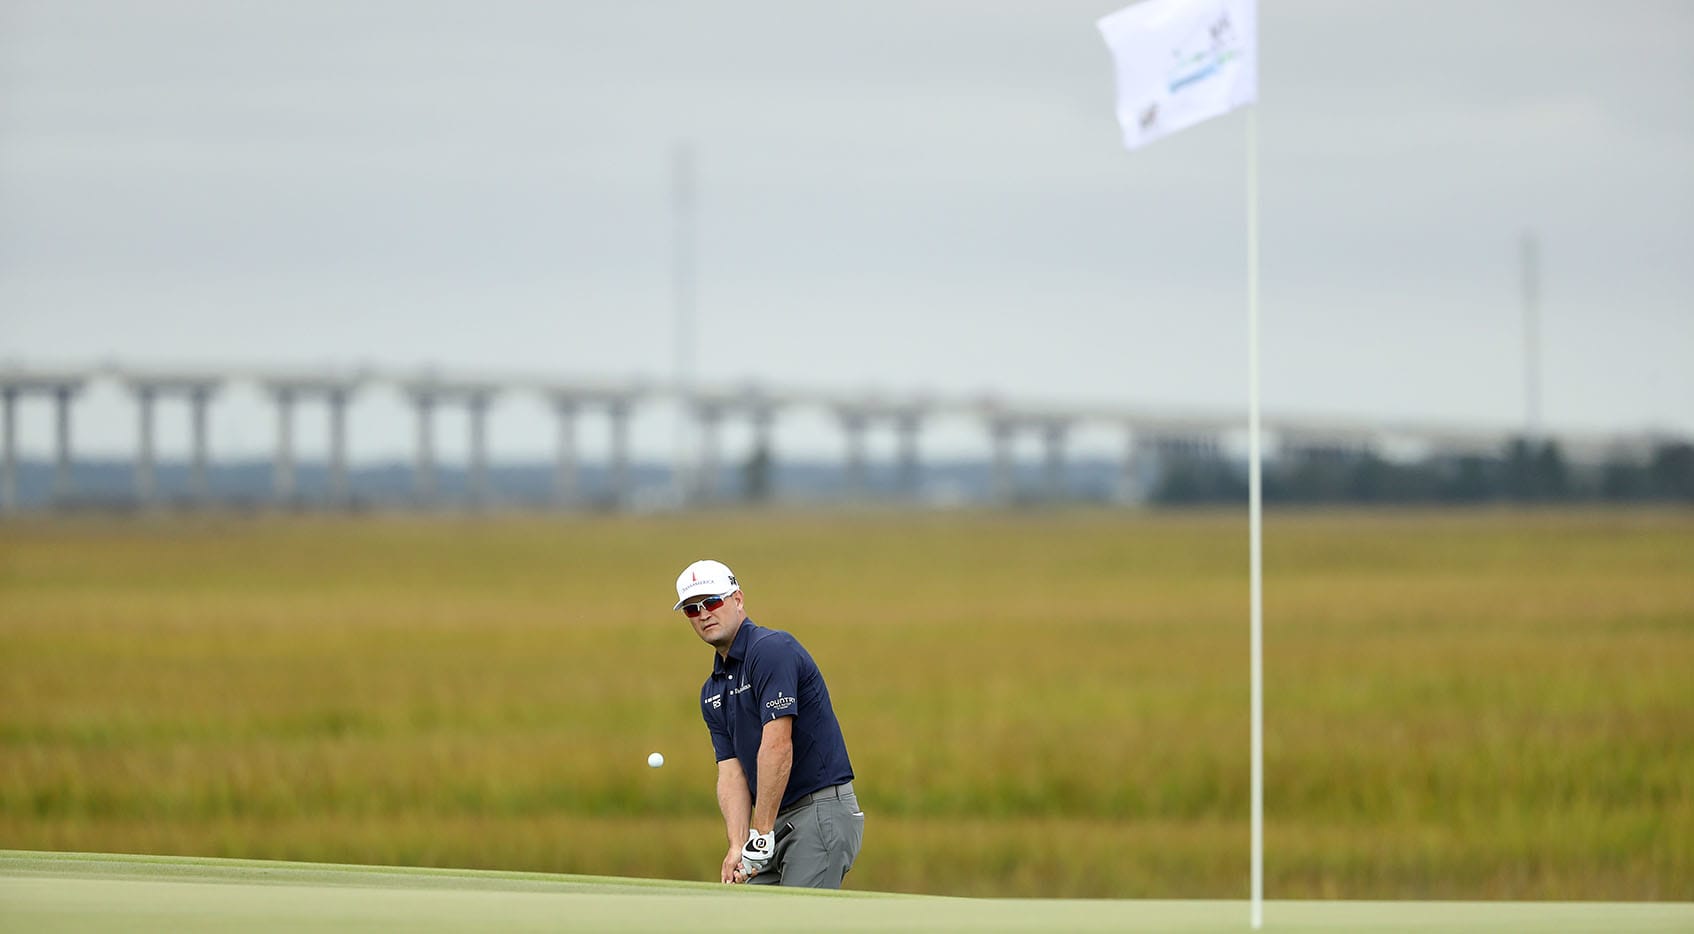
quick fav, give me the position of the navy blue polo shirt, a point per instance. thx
(767, 674)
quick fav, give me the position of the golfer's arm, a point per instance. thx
(776, 760)
(734, 800)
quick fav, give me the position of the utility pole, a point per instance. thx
(682, 282)
(1531, 260)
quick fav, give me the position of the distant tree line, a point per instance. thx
(1524, 472)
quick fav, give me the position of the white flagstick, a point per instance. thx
(1177, 63)
(1255, 508)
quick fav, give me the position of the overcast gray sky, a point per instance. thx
(911, 195)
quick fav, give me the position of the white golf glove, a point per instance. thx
(758, 851)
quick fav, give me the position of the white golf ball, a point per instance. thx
(655, 760)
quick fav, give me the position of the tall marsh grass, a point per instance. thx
(1464, 705)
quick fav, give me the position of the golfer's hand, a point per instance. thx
(758, 851)
(732, 865)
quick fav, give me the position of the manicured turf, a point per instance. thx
(75, 892)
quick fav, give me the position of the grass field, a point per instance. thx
(1484, 705)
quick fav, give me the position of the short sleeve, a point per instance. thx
(774, 668)
(711, 709)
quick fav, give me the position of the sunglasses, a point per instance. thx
(706, 604)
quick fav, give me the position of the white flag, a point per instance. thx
(1180, 62)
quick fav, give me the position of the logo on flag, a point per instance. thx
(1180, 62)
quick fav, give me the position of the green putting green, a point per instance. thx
(73, 892)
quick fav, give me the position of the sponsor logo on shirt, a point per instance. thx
(780, 703)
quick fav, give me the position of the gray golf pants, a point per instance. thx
(828, 828)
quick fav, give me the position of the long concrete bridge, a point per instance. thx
(1147, 433)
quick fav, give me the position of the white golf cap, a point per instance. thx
(704, 579)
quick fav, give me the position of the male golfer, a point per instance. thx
(784, 783)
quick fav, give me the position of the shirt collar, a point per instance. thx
(737, 649)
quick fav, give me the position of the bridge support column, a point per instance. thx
(283, 481)
(906, 426)
(565, 464)
(710, 419)
(423, 469)
(619, 412)
(199, 488)
(62, 483)
(1053, 439)
(1001, 430)
(9, 465)
(477, 407)
(854, 424)
(145, 487)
